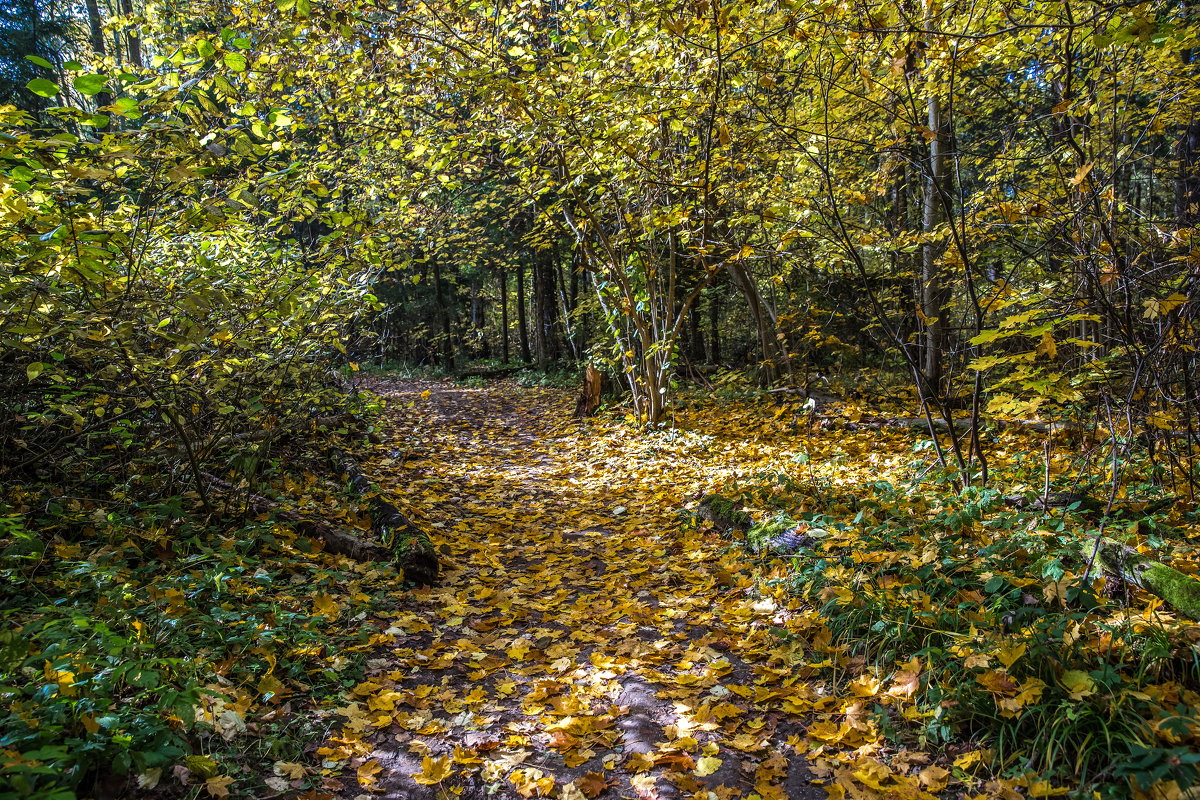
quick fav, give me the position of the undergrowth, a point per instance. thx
(141, 643)
(1015, 645)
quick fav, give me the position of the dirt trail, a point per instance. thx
(581, 643)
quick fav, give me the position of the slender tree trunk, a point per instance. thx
(545, 309)
(504, 314)
(775, 360)
(96, 38)
(443, 313)
(522, 323)
(695, 335)
(1187, 183)
(931, 278)
(714, 328)
(133, 43)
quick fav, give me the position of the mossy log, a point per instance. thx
(1178, 589)
(724, 514)
(780, 535)
(410, 546)
(335, 540)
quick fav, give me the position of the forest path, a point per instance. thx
(582, 642)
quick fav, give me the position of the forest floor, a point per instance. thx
(585, 639)
(589, 637)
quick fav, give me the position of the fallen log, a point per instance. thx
(410, 546)
(1178, 589)
(782, 536)
(724, 514)
(336, 541)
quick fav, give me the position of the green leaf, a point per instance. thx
(72, 65)
(128, 107)
(235, 61)
(90, 84)
(41, 62)
(43, 87)
(205, 48)
(34, 369)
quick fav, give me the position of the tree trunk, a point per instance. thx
(336, 541)
(504, 314)
(522, 323)
(1187, 183)
(133, 44)
(589, 393)
(96, 39)
(545, 306)
(443, 314)
(774, 357)
(714, 328)
(931, 279)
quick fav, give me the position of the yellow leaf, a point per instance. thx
(325, 605)
(1010, 653)
(1047, 346)
(707, 765)
(639, 762)
(530, 782)
(367, 772)
(1078, 683)
(433, 770)
(1171, 303)
(997, 682)
(935, 778)
(1081, 174)
(520, 648)
(218, 786)
(570, 791)
(872, 773)
(289, 770)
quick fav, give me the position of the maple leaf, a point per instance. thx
(1078, 683)
(934, 778)
(325, 605)
(998, 682)
(218, 786)
(367, 772)
(592, 784)
(434, 770)
(289, 770)
(639, 762)
(530, 782)
(707, 765)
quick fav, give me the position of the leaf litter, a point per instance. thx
(589, 639)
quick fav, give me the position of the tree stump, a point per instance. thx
(589, 393)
